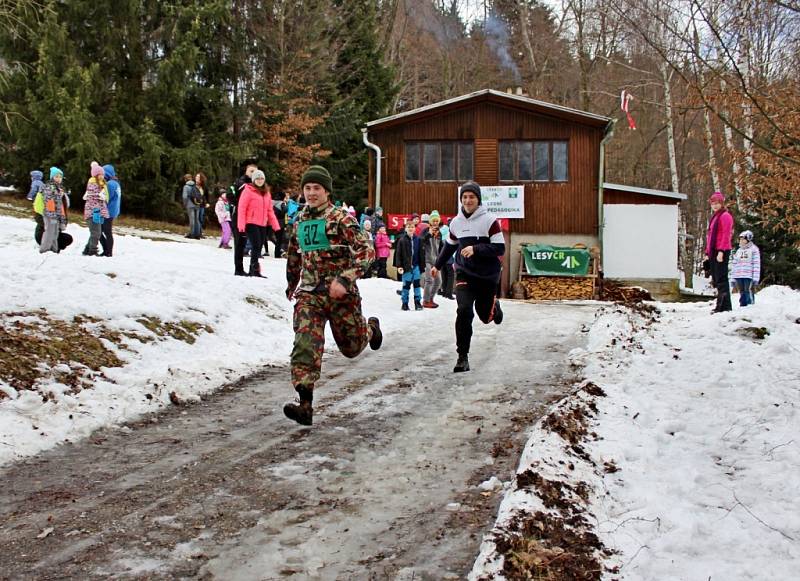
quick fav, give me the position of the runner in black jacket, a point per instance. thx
(477, 238)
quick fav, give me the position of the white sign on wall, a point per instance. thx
(502, 201)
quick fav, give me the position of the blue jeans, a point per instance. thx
(408, 279)
(194, 222)
(201, 219)
(745, 287)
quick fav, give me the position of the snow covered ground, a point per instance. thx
(165, 278)
(693, 463)
(693, 454)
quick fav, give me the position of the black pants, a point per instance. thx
(472, 293)
(448, 278)
(380, 267)
(39, 231)
(107, 236)
(257, 236)
(279, 242)
(719, 277)
(239, 241)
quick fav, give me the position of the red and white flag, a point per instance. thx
(624, 101)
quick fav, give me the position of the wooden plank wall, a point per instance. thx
(612, 196)
(550, 208)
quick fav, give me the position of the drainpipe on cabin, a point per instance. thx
(378, 159)
(609, 133)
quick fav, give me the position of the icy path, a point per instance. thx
(383, 486)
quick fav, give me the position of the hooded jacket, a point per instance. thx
(382, 245)
(481, 231)
(37, 185)
(96, 196)
(114, 191)
(747, 263)
(255, 207)
(222, 209)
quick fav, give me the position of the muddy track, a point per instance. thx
(382, 486)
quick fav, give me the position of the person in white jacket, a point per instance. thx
(746, 269)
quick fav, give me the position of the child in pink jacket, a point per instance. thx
(382, 247)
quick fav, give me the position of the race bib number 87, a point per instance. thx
(311, 235)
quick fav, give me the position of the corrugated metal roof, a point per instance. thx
(645, 191)
(499, 94)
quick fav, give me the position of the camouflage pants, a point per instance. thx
(311, 311)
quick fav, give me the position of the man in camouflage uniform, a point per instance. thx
(327, 254)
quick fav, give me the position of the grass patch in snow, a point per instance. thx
(256, 301)
(35, 347)
(14, 208)
(186, 331)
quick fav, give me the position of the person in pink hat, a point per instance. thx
(718, 250)
(95, 209)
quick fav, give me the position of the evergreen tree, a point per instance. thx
(360, 89)
(780, 250)
(135, 83)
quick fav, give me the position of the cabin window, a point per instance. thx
(560, 173)
(533, 161)
(439, 161)
(412, 162)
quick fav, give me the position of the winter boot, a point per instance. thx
(417, 305)
(256, 271)
(405, 307)
(301, 412)
(462, 364)
(498, 313)
(377, 336)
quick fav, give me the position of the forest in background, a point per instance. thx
(159, 88)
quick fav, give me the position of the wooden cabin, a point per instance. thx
(496, 139)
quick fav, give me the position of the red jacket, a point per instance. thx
(720, 228)
(255, 207)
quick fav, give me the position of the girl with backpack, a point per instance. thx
(95, 210)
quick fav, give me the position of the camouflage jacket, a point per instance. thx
(316, 257)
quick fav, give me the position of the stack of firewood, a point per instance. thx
(542, 288)
(616, 292)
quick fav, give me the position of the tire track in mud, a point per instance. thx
(382, 486)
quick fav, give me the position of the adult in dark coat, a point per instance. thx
(239, 241)
(279, 207)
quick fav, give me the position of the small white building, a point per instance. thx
(640, 237)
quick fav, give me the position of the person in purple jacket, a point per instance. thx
(718, 250)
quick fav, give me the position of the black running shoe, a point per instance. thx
(462, 364)
(377, 337)
(498, 313)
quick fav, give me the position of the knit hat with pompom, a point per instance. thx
(96, 170)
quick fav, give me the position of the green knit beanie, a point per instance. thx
(318, 175)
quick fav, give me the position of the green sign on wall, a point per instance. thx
(543, 260)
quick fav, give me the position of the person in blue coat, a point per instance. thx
(114, 205)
